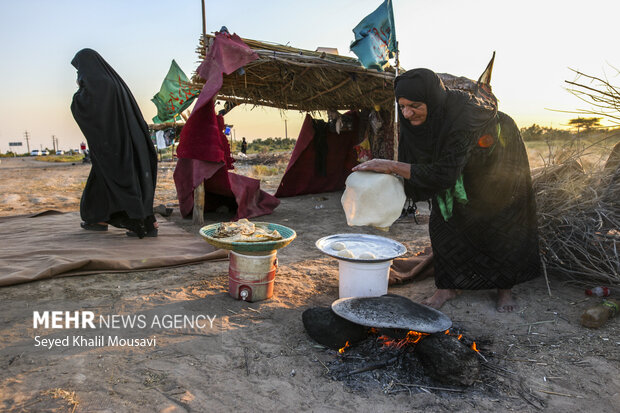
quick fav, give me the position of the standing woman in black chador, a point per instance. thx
(471, 161)
(121, 185)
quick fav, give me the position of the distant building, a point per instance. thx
(330, 50)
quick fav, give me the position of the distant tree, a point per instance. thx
(543, 133)
(271, 144)
(532, 133)
(585, 123)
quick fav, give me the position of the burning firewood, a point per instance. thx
(448, 360)
(331, 330)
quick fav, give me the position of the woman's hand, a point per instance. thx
(384, 166)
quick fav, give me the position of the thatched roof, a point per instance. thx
(285, 77)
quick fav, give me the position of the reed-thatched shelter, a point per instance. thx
(286, 77)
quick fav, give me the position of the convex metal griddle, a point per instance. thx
(391, 311)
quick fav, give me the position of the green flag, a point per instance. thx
(174, 96)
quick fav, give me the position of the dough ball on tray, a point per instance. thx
(337, 246)
(345, 253)
(367, 255)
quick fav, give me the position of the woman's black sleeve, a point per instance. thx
(441, 174)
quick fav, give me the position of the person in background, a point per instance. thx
(121, 186)
(244, 146)
(471, 160)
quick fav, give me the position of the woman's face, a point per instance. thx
(414, 112)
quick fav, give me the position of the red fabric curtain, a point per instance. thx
(204, 156)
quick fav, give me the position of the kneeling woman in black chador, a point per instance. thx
(471, 161)
(121, 185)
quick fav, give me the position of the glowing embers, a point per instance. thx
(393, 355)
(411, 338)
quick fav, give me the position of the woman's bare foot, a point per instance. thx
(439, 298)
(505, 302)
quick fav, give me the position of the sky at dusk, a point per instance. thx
(536, 43)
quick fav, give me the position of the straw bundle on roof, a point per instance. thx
(290, 78)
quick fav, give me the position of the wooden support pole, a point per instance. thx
(198, 218)
(204, 24)
(396, 125)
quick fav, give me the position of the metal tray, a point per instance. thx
(385, 249)
(288, 235)
(391, 311)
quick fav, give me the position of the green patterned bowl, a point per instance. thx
(288, 235)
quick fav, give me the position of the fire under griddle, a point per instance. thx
(394, 358)
(397, 360)
(449, 364)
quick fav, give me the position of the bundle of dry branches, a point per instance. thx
(579, 212)
(579, 220)
(598, 92)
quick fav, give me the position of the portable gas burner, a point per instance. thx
(252, 267)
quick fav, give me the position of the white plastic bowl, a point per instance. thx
(363, 279)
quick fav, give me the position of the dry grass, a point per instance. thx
(69, 397)
(265, 170)
(591, 152)
(61, 158)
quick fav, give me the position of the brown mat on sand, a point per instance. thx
(53, 245)
(415, 268)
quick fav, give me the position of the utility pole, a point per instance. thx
(285, 130)
(26, 136)
(54, 141)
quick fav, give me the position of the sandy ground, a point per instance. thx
(257, 356)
